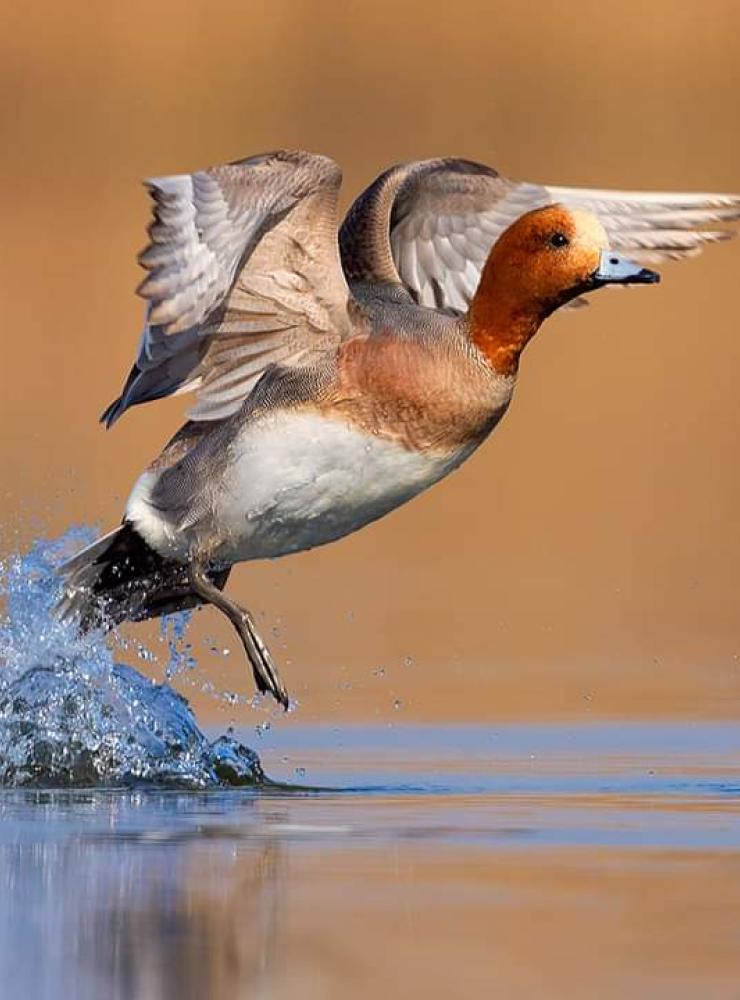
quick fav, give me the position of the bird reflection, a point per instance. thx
(210, 932)
(139, 896)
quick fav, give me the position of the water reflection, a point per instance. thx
(207, 929)
(128, 897)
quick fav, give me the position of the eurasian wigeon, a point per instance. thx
(339, 375)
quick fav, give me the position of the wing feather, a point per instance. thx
(244, 255)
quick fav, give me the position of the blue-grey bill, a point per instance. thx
(616, 270)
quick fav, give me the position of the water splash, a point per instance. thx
(70, 715)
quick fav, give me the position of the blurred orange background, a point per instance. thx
(585, 562)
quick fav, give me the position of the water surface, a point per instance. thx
(509, 861)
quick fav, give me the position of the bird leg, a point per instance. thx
(265, 672)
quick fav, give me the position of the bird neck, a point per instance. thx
(501, 322)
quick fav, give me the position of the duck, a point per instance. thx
(339, 371)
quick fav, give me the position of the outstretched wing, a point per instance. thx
(243, 272)
(431, 224)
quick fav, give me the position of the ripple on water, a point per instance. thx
(70, 716)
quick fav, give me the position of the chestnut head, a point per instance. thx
(553, 254)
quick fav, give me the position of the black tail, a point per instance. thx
(120, 578)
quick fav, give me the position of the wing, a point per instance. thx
(243, 272)
(431, 224)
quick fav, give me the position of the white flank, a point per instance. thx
(155, 529)
(300, 480)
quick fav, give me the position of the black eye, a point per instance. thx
(559, 240)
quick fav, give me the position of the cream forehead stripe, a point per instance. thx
(588, 229)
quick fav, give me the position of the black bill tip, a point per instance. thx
(646, 277)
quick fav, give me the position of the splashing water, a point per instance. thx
(71, 716)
